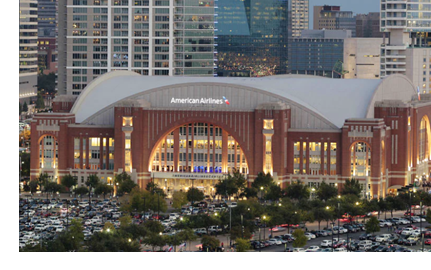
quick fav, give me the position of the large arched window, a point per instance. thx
(200, 149)
(423, 139)
(360, 154)
(48, 152)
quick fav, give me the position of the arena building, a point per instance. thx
(179, 131)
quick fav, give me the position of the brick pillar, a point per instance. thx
(101, 153)
(224, 150)
(176, 148)
(81, 152)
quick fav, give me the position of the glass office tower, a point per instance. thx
(252, 37)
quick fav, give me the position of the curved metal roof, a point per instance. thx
(333, 100)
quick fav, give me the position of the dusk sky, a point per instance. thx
(357, 6)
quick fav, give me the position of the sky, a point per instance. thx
(357, 6)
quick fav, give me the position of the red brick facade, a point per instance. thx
(392, 137)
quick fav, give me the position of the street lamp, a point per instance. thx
(264, 227)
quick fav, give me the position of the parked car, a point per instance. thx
(312, 249)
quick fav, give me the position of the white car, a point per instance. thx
(380, 239)
(274, 241)
(404, 221)
(40, 227)
(340, 249)
(310, 235)
(97, 229)
(298, 250)
(407, 231)
(173, 216)
(59, 228)
(326, 243)
(233, 204)
(312, 249)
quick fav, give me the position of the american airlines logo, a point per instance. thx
(209, 101)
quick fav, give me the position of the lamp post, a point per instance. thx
(332, 234)
(259, 241)
(264, 227)
(261, 197)
(422, 236)
(338, 218)
(410, 205)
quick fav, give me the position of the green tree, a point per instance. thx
(372, 225)
(242, 245)
(428, 216)
(155, 189)
(111, 242)
(92, 182)
(187, 235)
(326, 192)
(103, 188)
(250, 192)
(300, 239)
(179, 199)
(33, 185)
(226, 186)
(320, 214)
(125, 221)
(81, 191)
(274, 193)
(126, 186)
(155, 240)
(297, 191)
(53, 187)
(108, 225)
(262, 180)
(20, 108)
(25, 166)
(46, 82)
(40, 103)
(195, 195)
(43, 181)
(69, 181)
(351, 186)
(25, 107)
(209, 243)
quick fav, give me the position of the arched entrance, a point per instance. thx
(195, 154)
(360, 156)
(48, 152)
(424, 139)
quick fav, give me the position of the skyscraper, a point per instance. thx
(152, 38)
(252, 37)
(27, 49)
(332, 18)
(47, 18)
(299, 16)
(407, 50)
(368, 25)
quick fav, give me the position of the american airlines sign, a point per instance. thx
(209, 101)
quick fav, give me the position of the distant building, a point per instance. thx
(299, 16)
(252, 37)
(362, 58)
(47, 18)
(332, 18)
(368, 25)
(47, 55)
(334, 54)
(27, 49)
(407, 48)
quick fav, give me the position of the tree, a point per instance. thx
(194, 194)
(81, 191)
(104, 189)
(226, 187)
(300, 239)
(92, 182)
(40, 103)
(351, 186)
(24, 136)
(33, 185)
(320, 214)
(187, 235)
(154, 188)
(25, 166)
(250, 192)
(297, 191)
(125, 221)
(242, 245)
(209, 243)
(124, 183)
(25, 107)
(179, 199)
(428, 216)
(43, 181)
(372, 225)
(53, 187)
(262, 180)
(155, 240)
(326, 192)
(108, 225)
(46, 82)
(20, 108)
(69, 181)
(274, 193)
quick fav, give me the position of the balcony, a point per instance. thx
(396, 47)
(395, 69)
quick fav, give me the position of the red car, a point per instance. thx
(427, 234)
(428, 242)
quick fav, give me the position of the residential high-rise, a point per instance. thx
(252, 37)
(368, 25)
(47, 18)
(150, 37)
(27, 49)
(332, 18)
(407, 50)
(299, 16)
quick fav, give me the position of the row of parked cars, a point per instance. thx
(43, 219)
